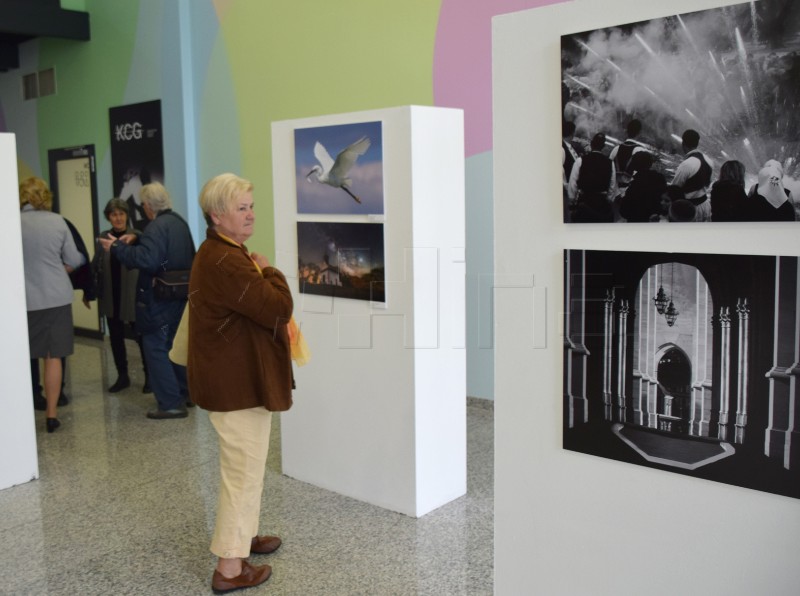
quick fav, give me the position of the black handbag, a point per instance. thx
(171, 285)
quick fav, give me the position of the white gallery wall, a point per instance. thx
(569, 523)
(18, 458)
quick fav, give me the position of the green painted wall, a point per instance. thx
(305, 58)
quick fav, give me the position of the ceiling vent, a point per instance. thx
(39, 84)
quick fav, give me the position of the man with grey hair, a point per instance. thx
(165, 245)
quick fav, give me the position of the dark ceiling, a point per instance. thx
(22, 20)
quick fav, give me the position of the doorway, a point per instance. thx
(73, 181)
(674, 374)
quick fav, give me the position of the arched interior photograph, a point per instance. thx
(686, 363)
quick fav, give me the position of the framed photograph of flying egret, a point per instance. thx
(339, 169)
(674, 363)
(344, 260)
(692, 117)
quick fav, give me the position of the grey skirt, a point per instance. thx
(50, 332)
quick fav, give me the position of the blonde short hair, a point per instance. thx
(220, 192)
(34, 191)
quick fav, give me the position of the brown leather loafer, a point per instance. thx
(249, 577)
(264, 545)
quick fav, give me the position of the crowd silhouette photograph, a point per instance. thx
(687, 118)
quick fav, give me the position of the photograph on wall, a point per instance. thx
(339, 169)
(693, 117)
(685, 363)
(137, 153)
(343, 260)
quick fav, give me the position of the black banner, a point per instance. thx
(137, 154)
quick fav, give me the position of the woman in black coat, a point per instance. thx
(728, 197)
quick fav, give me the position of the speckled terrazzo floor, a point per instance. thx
(125, 505)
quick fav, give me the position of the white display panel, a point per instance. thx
(568, 523)
(19, 462)
(380, 412)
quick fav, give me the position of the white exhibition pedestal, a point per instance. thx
(379, 413)
(19, 462)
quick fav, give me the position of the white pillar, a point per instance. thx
(782, 438)
(608, 355)
(622, 352)
(742, 378)
(725, 367)
(575, 352)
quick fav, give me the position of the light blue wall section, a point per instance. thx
(174, 103)
(480, 276)
(217, 123)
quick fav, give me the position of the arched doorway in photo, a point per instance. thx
(674, 376)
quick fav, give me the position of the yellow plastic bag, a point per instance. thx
(179, 353)
(300, 352)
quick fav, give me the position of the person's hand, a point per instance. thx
(68, 269)
(85, 301)
(128, 238)
(260, 260)
(106, 242)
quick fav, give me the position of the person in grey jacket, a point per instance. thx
(165, 245)
(49, 255)
(116, 293)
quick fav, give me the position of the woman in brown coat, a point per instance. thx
(239, 369)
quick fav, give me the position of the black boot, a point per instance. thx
(122, 382)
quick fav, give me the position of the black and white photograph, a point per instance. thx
(343, 260)
(692, 117)
(686, 363)
(137, 153)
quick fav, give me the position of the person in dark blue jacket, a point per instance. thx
(165, 245)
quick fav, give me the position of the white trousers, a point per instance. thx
(243, 447)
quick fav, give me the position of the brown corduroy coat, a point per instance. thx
(239, 354)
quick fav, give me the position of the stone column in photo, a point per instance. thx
(575, 352)
(725, 372)
(622, 358)
(608, 354)
(782, 440)
(742, 360)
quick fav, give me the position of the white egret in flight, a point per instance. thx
(334, 173)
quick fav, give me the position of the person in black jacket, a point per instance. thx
(165, 245)
(591, 185)
(728, 197)
(642, 199)
(116, 294)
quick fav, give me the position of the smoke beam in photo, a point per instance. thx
(732, 74)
